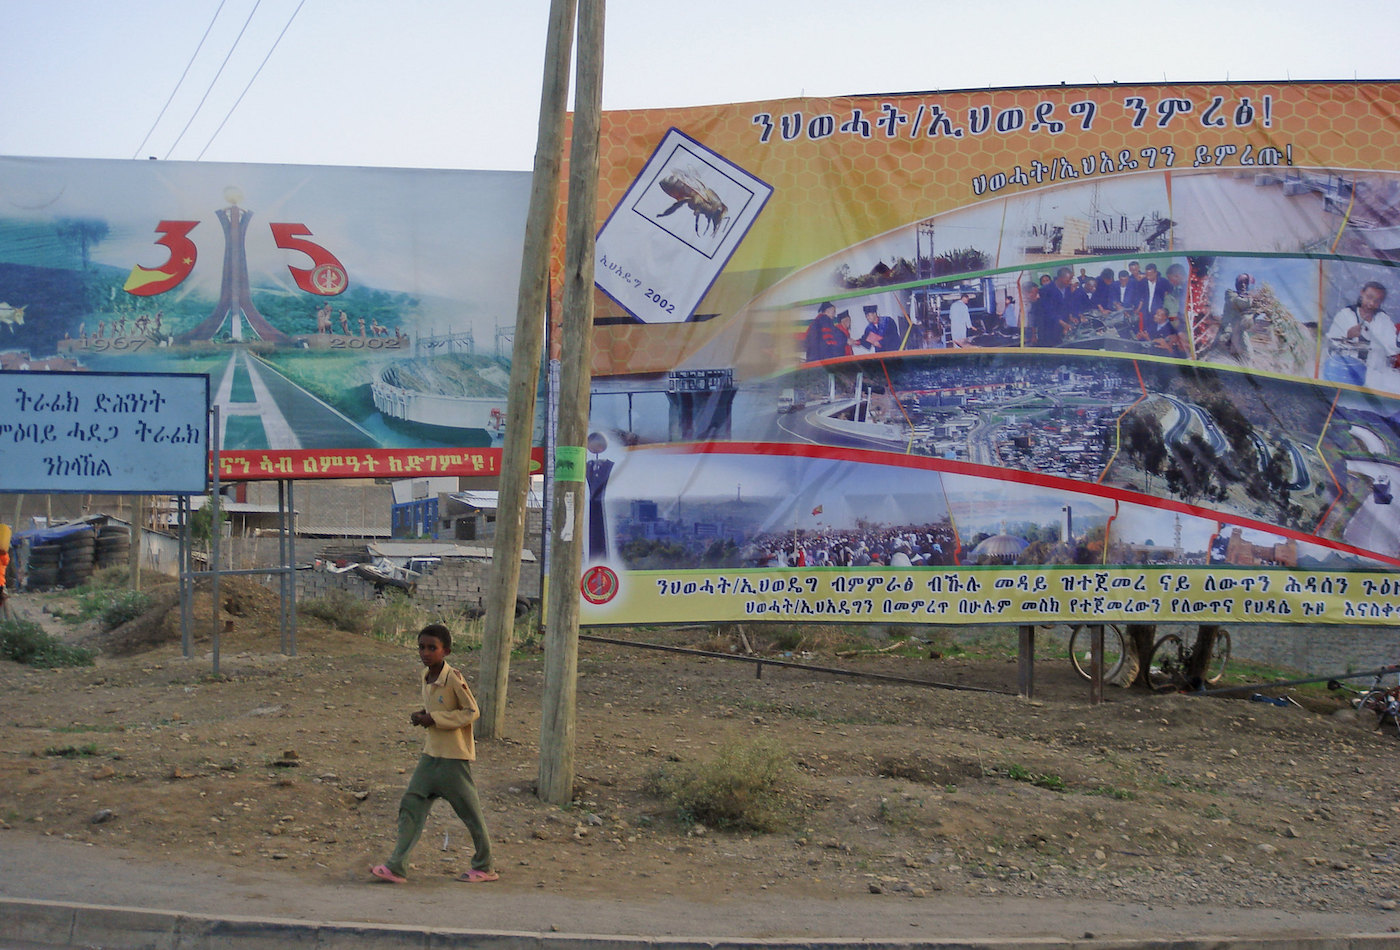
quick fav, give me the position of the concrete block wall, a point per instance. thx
(458, 582)
(455, 583)
(1315, 649)
(317, 585)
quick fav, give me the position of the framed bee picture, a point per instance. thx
(674, 230)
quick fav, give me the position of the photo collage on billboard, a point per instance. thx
(1159, 349)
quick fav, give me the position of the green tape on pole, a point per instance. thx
(568, 463)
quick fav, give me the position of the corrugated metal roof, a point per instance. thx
(234, 507)
(491, 499)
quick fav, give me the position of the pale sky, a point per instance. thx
(456, 83)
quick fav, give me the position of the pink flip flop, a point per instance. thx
(478, 877)
(382, 872)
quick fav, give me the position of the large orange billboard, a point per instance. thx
(1023, 354)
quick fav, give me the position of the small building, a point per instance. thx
(415, 507)
(471, 516)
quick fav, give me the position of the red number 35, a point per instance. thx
(325, 277)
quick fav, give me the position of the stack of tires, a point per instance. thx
(42, 566)
(113, 546)
(77, 556)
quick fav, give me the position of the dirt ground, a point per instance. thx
(298, 762)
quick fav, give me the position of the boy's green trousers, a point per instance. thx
(448, 779)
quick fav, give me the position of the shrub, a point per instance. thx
(111, 606)
(24, 641)
(788, 639)
(123, 607)
(340, 610)
(750, 785)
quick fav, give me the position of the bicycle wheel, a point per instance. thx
(1390, 712)
(1373, 702)
(1166, 667)
(1219, 658)
(1081, 651)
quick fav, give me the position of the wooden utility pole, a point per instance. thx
(133, 556)
(556, 778)
(514, 482)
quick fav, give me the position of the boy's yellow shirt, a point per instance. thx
(453, 708)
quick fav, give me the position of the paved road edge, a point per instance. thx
(62, 924)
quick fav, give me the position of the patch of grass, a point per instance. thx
(1108, 791)
(1019, 773)
(993, 641)
(24, 641)
(73, 730)
(814, 638)
(340, 610)
(397, 619)
(72, 752)
(750, 785)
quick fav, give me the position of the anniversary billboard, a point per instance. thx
(1114, 352)
(352, 321)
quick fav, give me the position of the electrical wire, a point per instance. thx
(210, 89)
(254, 78)
(181, 80)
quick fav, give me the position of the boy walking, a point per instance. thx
(444, 769)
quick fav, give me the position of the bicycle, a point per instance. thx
(1381, 700)
(1171, 660)
(1119, 662)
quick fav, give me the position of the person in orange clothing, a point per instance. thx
(4, 569)
(444, 769)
